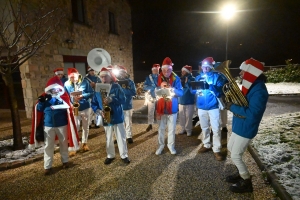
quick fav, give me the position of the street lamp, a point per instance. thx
(228, 12)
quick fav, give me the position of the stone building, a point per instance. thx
(88, 24)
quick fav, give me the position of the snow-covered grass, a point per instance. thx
(278, 142)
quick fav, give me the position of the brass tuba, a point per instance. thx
(231, 89)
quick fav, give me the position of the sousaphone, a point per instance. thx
(98, 58)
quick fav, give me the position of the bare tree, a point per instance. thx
(25, 27)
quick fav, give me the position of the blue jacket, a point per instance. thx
(188, 97)
(207, 100)
(95, 78)
(53, 117)
(257, 98)
(129, 92)
(177, 89)
(87, 93)
(149, 85)
(118, 98)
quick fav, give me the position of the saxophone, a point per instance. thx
(106, 108)
(76, 105)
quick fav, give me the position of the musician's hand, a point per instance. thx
(227, 105)
(92, 84)
(78, 97)
(98, 112)
(164, 84)
(107, 100)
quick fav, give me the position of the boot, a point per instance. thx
(85, 147)
(233, 178)
(244, 185)
(149, 127)
(48, 171)
(72, 153)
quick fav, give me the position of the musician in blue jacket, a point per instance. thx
(150, 99)
(77, 83)
(167, 105)
(186, 101)
(246, 120)
(208, 107)
(92, 78)
(114, 101)
(129, 90)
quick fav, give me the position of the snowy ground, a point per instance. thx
(278, 144)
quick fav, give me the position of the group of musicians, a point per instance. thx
(167, 96)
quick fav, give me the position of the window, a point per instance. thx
(78, 11)
(112, 23)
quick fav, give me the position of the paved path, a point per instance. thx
(188, 175)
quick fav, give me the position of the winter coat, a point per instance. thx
(129, 92)
(188, 98)
(149, 85)
(257, 98)
(87, 93)
(95, 78)
(177, 89)
(53, 117)
(207, 100)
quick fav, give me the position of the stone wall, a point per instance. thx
(93, 34)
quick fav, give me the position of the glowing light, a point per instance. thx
(228, 11)
(115, 72)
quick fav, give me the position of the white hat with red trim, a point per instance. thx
(187, 69)
(253, 69)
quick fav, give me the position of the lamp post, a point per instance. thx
(228, 12)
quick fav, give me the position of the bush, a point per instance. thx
(289, 73)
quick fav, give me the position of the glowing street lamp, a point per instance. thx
(228, 12)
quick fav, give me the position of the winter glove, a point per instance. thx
(41, 98)
(48, 97)
(205, 85)
(227, 105)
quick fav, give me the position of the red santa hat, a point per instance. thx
(55, 83)
(156, 66)
(187, 68)
(121, 68)
(58, 71)
(72, 71)
(104, 71)
(167, 63)
(208, 62)
(253, 69)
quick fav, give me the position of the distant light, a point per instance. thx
(228, 11)
(241, 44)
(115, 72)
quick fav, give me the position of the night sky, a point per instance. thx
(268, 30)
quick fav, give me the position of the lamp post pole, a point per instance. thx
(226, 41)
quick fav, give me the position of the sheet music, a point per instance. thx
(164, 92)
(103, 88)
(76, 93)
